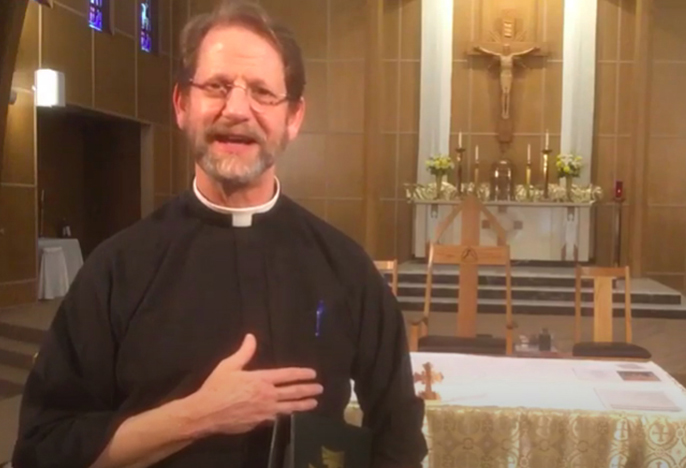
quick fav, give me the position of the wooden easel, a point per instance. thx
(471, 209)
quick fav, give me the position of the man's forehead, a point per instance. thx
(237, 41)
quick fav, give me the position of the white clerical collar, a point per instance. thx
(241, 217)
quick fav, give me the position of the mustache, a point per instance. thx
(224, 131)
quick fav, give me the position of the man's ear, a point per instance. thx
(180, 102)
(296, 115)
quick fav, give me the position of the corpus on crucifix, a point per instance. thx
(507, 59)
(507, 47)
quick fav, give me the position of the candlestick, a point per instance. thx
(476, 171)
(458, 166)
(546, 172)
(528, 180)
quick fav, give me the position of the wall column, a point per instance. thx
(11, 21)
(642, 84)
(372, 122)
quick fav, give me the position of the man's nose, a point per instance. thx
(237, 103)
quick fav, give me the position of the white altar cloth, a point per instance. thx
(562, 384)
(535, 231)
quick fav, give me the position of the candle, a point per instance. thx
(619, 190)
(547, 139)
(459, 140)
(476, 155)
(528, 154)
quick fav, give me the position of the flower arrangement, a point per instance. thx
(569, 165)
(440, 164)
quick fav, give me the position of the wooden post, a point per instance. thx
(11, 22)
(469, 274)
(642, 84)
(372, 122)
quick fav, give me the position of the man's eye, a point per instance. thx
(263, 92)
(214, 86)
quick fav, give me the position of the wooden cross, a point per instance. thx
(428, 377)
(507, 48)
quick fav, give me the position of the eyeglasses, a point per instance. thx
(259, 97)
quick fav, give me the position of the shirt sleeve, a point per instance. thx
(383, 379)
(67, 414)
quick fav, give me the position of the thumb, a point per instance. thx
(245, 353)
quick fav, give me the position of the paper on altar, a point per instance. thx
(636, 400)
(597, 375)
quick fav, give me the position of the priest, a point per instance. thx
(184, 336)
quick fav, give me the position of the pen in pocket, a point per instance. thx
(320, 316)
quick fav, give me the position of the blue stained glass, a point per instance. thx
(95, 14)
(146, 26)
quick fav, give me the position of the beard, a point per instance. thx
(234, 169)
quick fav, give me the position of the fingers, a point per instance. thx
(245, 353)
(286, 375)
(289, 407)
(298, 392)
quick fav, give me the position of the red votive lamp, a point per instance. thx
(619, 190)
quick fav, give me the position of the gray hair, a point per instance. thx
(252, 16)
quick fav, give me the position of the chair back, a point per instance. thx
(603, 279)
(389, 266)
(473, 255)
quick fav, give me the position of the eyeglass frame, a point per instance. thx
(228, 87)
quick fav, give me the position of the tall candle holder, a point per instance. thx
(528, 173)
(528, 180)
(476, 170)
(458, 165)
(546, 171)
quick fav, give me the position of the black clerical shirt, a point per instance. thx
(155, 308)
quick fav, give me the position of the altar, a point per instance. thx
(513, 411)
(541, 231)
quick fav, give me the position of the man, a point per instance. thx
(185, 335)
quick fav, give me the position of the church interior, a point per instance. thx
(514, 166)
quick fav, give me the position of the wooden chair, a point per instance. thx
(466, 340)
(389, 266)
(603, 344)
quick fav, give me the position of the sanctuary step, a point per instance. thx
(20, 339)
(535, 291)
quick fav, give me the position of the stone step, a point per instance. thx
(14, 374)
(543, 293)
(496, 277)
(21, 333)
(8, 389)
(533, 307)
(18, 354)
(12, 380)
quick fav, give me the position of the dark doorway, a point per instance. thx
(89, 174)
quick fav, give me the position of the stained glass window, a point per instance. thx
(147, 25)
(98, 14)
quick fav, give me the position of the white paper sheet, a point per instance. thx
(636, 400)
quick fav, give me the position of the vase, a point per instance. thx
(439, 186)
(568, 186)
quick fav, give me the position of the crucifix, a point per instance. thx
(428, 377)
(507, 48)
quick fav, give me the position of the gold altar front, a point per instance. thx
(480, 437)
